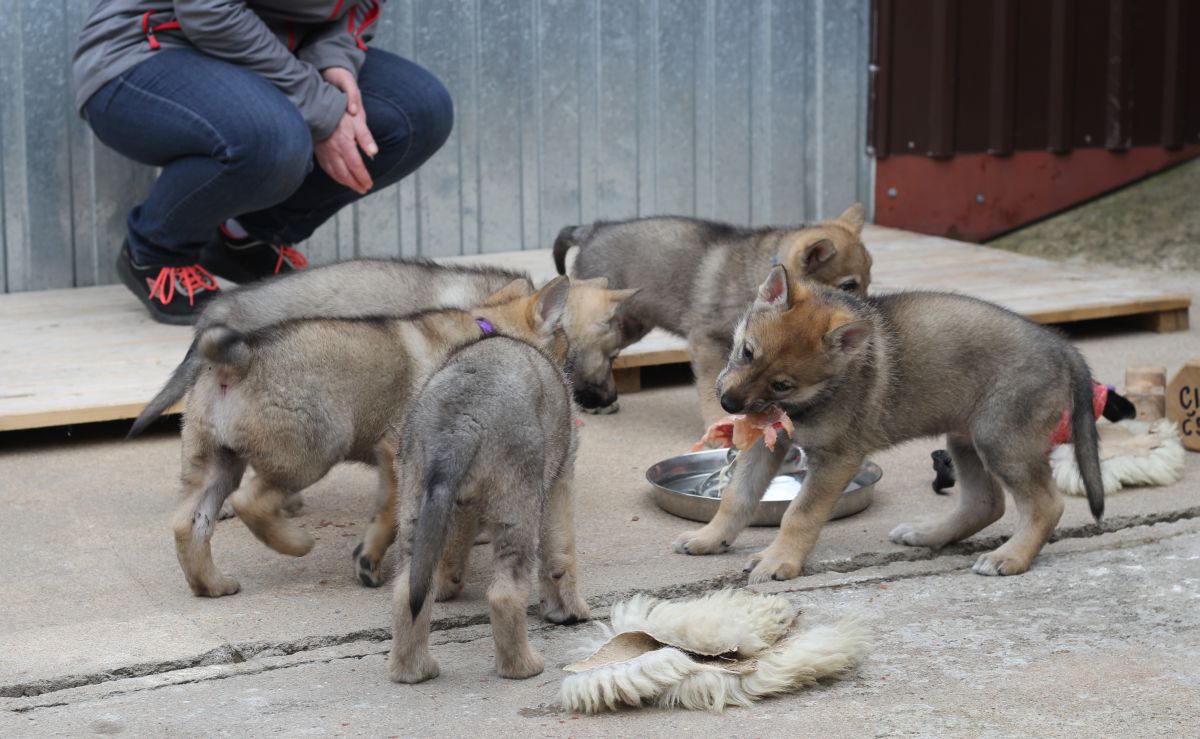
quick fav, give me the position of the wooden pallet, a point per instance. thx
(92, 354)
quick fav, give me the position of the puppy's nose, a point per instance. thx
(730, 403)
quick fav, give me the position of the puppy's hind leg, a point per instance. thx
(508, 597)
(452, 567)
(1027, 477)
(210, 478)
(980, 502)
(260, 507)
(381, 530)
(410, 660)
(561, 603)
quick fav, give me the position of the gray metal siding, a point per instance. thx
(566, 111)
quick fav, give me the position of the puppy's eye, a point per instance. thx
(850, 286)
(781, 386)
(747, 353)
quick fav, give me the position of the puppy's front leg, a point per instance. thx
(752, 475)
(828, 475)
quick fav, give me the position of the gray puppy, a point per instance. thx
(856, 376)
(491, 436)
(697, 277)
(352, 289)
(298, 397)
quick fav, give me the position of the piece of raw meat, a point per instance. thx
(743, 429)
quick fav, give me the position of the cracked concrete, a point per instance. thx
(102, 635)
(1101, 638)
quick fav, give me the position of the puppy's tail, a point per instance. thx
(445, 468)
(177, 386)
(567, 238)
(224, 346)
(1083, 434)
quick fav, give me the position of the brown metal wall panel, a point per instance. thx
(1060, 103)
(973, 72)
(998, 76)
(1086, 94)
(1033, 84)
(911, 65)
(880, 115)
(943, 58)
(1190, 71)
(1002, 77)
(1148, 31)
(988, 113)
(1171, 133)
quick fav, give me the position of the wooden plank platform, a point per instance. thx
(92, 354)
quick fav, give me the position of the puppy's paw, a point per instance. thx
(447, 588)
(420, 668)
(999, 563)
(294, 505)
(216, 587)
(226, 511)
(291, 541)
(519, 667)
(701, 541)
(368, 573)
(770, 565)
(912, 535)
(607, 410)
(565, 614)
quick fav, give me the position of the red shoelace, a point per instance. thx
(193, 279)
(293, 257)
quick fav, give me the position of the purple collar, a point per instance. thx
(486, 326)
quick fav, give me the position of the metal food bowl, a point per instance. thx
(688, 486)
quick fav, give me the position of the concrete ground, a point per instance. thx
(102, 636)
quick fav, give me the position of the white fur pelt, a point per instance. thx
(1163, 464)
(717, 623)
(670, 677)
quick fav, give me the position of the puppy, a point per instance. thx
(296, 398)
(697, 277)
(860, 375)
(491, 436)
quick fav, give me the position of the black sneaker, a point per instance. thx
(174, 295)
(248, 259)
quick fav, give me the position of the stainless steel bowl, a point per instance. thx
(680, 484)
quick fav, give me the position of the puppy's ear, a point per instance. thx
(773, 292)
(518, 288)
(598, 282)
(846, 335)
(853, 218)
(818, 252)
(549, 305)
(617, 297)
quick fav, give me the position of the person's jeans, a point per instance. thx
(230, 144)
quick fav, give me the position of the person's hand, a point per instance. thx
(338, 155)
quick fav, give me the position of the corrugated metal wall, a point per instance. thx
(998, 76)
(567, 111)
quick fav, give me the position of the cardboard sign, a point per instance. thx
(1183, 404)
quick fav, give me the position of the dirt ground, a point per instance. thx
(1151, 224)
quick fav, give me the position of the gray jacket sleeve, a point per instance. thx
(228, 30)
(332, 45)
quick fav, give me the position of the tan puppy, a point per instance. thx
(697, 277)
(296, 398)
(856, 376)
